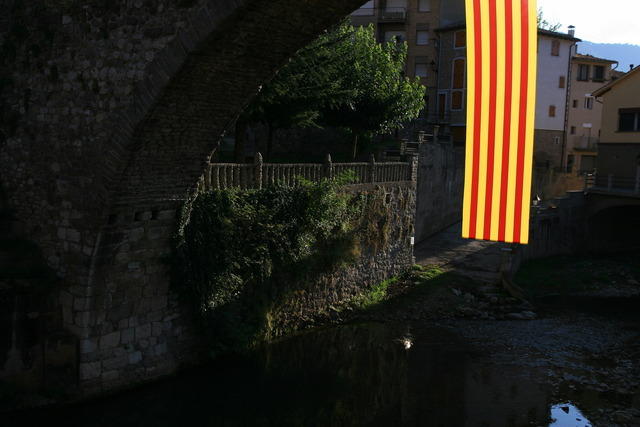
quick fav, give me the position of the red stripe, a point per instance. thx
(473, 215)
(517, 231)
(506, 132)
(493, 94)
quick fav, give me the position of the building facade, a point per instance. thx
(585, 114)
(618, 164)
(555, 51)
(413, 22)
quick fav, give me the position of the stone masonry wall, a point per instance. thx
(440, 188)
(109, 111)
(388, 256)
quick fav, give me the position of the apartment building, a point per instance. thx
(585, 114)
(555, 51)
(618, 164)
(411, 21)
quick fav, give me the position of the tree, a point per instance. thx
(384, 99)
(344, 78)
(546, 25)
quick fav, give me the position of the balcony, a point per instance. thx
(585, 143)
(614, 185)
(392, 14)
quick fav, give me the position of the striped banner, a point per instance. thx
(501, 64)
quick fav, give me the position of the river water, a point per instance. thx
(548, 372)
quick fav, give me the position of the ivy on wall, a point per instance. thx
(237, 251)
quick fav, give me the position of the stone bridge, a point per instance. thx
(110, 111)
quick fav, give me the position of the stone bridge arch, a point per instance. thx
(613, 222)
(109, 112)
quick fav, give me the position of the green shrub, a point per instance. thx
(237, 250)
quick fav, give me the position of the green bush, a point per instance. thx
(237, 250)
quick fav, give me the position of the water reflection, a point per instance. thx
(348, 376)
(567, 415)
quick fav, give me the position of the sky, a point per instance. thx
(598, 21)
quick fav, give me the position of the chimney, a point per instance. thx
(572, 30)
(631, 66)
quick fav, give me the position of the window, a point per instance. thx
(460, 39)
(598, 73)
(629, 120)
(442, 105)
(458, 74)
(555, 47)
(556, 140)
(552, 110)
(562, 82)
(575, 103)
(422, 37)
(421, 66)
(573, 130)
(398, 36)
(588, 102)
(424, 5)
(456, 99)
(583, 72)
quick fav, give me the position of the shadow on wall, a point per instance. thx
(440, 188)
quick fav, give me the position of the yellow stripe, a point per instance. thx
(484, 117)
(531, 108)
(471, 84)
(499, 140)
(515, 113)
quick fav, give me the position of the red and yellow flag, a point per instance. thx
(501, 52)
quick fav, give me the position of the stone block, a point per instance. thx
(127, 336)
(88, 345)
(110, 340)
(135, 357)
(156, 329)
(143, 331)
(90, 370)
(111, 375)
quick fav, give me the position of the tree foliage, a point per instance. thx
(546, 25)
(343, 79)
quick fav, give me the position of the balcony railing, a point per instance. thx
(613, 184)
(585, 143)
(392, 14)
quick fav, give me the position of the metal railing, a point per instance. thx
(613, 184)
(392, 14)
(259, 174)
(585, 143)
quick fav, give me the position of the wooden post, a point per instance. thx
(372, 168)
(257, 161)
(328, 167)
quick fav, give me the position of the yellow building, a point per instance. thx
(584, 114)
(618, 163)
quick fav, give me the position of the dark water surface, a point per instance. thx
(367, 374)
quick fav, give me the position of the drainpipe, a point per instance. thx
(566, 106)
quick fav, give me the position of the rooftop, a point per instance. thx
(606, 88)
(591, 58)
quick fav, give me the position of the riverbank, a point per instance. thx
(417, 355)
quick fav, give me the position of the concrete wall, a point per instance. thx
(440, 188)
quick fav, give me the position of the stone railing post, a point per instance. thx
(257, 161)
(413, 165)
(372, 168)
(610, 182)
(328, 167)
